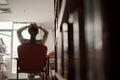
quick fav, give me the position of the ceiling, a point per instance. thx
(40, 11)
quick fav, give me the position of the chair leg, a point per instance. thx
(17, 70)
(17, 75)
(46, 75)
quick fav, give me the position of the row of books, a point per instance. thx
(2, 46)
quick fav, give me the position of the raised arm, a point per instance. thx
(19, 33)
(45, 36)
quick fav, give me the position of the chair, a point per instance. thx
(31, 58)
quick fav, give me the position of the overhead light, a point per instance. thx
(2, 2)
(5, 10)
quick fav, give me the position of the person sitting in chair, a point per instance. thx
(33, 31)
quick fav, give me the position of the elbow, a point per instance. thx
(18, 31)
(47, 32)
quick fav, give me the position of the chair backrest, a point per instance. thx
(31, 57)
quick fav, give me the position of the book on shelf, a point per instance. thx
(2, 46)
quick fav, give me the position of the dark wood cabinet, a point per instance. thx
(83, 40)
(3, 68)
(67, 38)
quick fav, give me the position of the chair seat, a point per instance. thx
(30, 70)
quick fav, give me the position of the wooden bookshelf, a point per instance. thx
(82, 36)
(66, 10)
(3, 53)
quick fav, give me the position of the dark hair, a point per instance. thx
(33, 32)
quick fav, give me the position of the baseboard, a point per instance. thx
(22, 79)
(19, 79)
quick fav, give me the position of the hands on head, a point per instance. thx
(33, 25)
